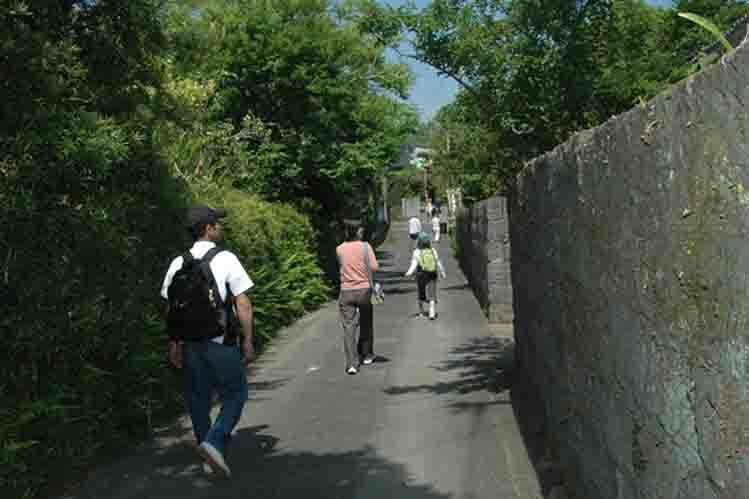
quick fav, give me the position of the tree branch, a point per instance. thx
(451, 74)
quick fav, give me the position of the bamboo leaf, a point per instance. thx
(709, 26)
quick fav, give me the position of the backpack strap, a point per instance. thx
(206, 268)
(225, 307)
(187, 258)
(211, 253)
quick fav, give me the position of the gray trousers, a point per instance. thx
(356, 314)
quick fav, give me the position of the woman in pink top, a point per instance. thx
(354, 301)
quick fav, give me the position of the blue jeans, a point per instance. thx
(209, 366)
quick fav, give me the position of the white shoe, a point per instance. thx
(368, 360)
(352, 370)
(214, 459)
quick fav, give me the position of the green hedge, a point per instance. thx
(83, 371)
(276, 245)
(82, 367)
(92, 210)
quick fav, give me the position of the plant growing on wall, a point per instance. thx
(710, 27)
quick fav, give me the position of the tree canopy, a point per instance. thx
(309, 94)
(533, 72)
(114, 115)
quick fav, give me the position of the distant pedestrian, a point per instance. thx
(206, 293)
(427, 264)
(436, 226)
(356, 260)
(414, 229)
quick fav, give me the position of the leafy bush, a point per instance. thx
(83, 365)
(276, 246)
(89, 213)
(103, 144)
(84, 370)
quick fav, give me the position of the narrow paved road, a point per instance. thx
(431, 420)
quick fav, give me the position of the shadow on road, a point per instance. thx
(482, 364)
(457, 287)
(400, 290)
(487, 364)
(390, 278)
(261, 469)
(265, 386)
(529, 412)
(384, 254)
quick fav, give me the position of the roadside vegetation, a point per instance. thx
(534, 72)
(114, 117)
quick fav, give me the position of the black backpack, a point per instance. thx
(196, 310)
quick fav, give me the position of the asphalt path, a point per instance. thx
(431, 419)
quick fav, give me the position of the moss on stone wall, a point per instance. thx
(631, 284)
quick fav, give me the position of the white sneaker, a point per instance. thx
(214, 459)
(367, 360)
(352, 370)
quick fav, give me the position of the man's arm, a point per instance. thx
(244, 314)
(174, 352)
(440, 267)
(414, 264)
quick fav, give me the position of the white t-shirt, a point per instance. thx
(414, 225)
(226, 270)
(436, 223)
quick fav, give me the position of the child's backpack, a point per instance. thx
(427, 261)
(196, 310)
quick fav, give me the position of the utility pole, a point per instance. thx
(426, 180)
(427, 185)
(386, 214)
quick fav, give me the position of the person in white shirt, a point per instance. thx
(214, 363)
(414, 229)
(427, 262)
(436, 226)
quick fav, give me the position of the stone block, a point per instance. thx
(629, 292)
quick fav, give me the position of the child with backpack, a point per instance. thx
(426, 263)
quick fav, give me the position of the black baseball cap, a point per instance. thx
(204, 214)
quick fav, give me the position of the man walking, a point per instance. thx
(436, 225)
(205, 288)
(414, 229)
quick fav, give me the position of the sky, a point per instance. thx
(431, 91)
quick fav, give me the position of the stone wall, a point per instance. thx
(630, 265)
(484, 252)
